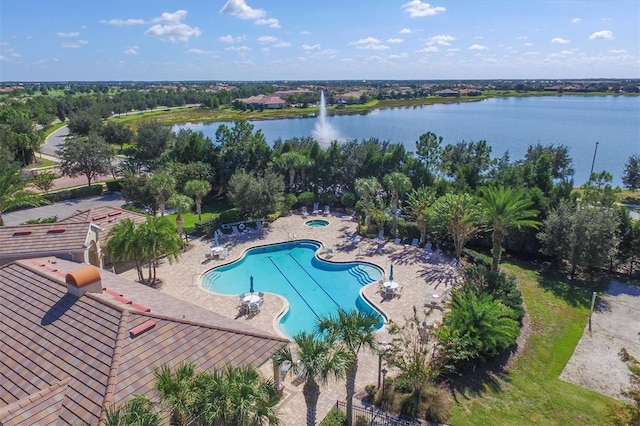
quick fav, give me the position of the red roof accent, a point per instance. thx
(114, 213)
(27, 231)
(122, 299)
(57, 230)
(102, 216)
(112, 292)
(148, 325)
(140, 307)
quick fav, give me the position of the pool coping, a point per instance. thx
(285, 308)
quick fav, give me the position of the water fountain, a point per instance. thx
(323, 131)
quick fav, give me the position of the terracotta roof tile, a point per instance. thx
(40, 240)
(106, 217)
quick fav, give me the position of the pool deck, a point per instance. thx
(417, 275)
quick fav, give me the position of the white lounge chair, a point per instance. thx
(316, 208)
(234, 231)
(414, 242)
(303, 211)
(381, 236)
(397, 241)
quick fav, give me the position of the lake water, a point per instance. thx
(506, 124)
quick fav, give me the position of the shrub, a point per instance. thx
(306, 198)
(371, 391)
(273, 216)
(114, 185)
(69, 194)
(335, 417)
(348, 199)
(230, 215)
(52, 219)
(437, 404)
(289, 201)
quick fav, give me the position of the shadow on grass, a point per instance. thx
(475, 382)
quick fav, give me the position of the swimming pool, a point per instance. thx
(316, 223)
(312, 286)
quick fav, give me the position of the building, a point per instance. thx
(76, 340)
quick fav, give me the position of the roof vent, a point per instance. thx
(57, 230)
(24, 231)
(84, 280)
(102, 216)
(145, 326)
(114, 213)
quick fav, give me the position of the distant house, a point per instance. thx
(77, 340)
(78, 242)
(446, 93)
(268, 102)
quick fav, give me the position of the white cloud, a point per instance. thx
(453, 49)
(477, 47)
(418, 9)
(369, 43)
(171, 28)
(478, 38)
(282, 44)
(2, 58)
(601, 35)
(122, 22)
(405, 31)
(528, 44)
(441, 40)
(522, 38)
(230, 39)
(311, 46)
(238, 49)
(558, 40)
(576, 20)
(272, 22)
(131, 51)
(305, 32)
(267, 39)
(402, 55)
(428, 49)
(395, 40)
(617, 51)
(201, 52)
(72, 34)
(74, 44)
(240, 9)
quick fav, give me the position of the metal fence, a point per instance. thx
(375, 417)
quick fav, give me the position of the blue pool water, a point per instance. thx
(313, 287)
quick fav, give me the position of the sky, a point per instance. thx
(258, 40)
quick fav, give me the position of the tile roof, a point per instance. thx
(50, 336)
(106, 217)
(43, 238)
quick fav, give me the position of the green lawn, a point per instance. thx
(532, 393)
(212, 209)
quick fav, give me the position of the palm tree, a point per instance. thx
(182, 204)
(355, 330)
(158, 238)
(420, 200)
(367, 188)
(456, 212)
(501, 209)
(163, 186)
(290, 162)
(198, 189)
(181, 390)
(239, 395)
(477, 327)
(398, 184)
(123, 245)
(138, 411)
(12, 191)
(321, 359)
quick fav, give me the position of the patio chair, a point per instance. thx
(427, 247)
(303, 211)
(208, 255)
(254, 308)
(397, 241)
(316, 209)
(326, 210)
(234, 231)
(381, 236)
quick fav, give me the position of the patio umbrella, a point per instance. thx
(251, 285)
(391, 273)
(215, 238)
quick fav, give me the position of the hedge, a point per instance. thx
(68, 194)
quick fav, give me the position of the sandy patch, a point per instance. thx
(615, 324)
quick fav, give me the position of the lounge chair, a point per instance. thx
(428, 246)
(330, 252)
(316, 208)
(326, 210)
(437, 255)
(397, 241)
(303, 211)
(414, 243)
(381, 236)
(234, 231)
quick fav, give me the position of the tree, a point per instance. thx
(151, 141)
(456, 213)
(354, 330)
(17, 133)
(182, 204)
(428, 148)
(398, 184)
(85, 123)
(367, 189)
(466, 162)
(89, 156)
(124, 245)
(44, 181)
(239, 395)
(631, 174)
(12, 190)
(159, 238)
(420, 201)
(500, 210)
(163, 187)
(137, 189)
(117, 133)
(477, 327)
(138, 411)
(198, 189)
(180, 390)
(321, 359)
(189, 147)
(256, 195)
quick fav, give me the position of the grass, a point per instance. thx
(531, 393)
(212, 209)
(50, 129)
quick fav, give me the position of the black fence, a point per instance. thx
(375, 417)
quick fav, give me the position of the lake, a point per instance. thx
(507, 124)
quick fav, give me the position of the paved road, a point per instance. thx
(63, 209)
(54, 141)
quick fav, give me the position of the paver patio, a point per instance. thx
(417, 276)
